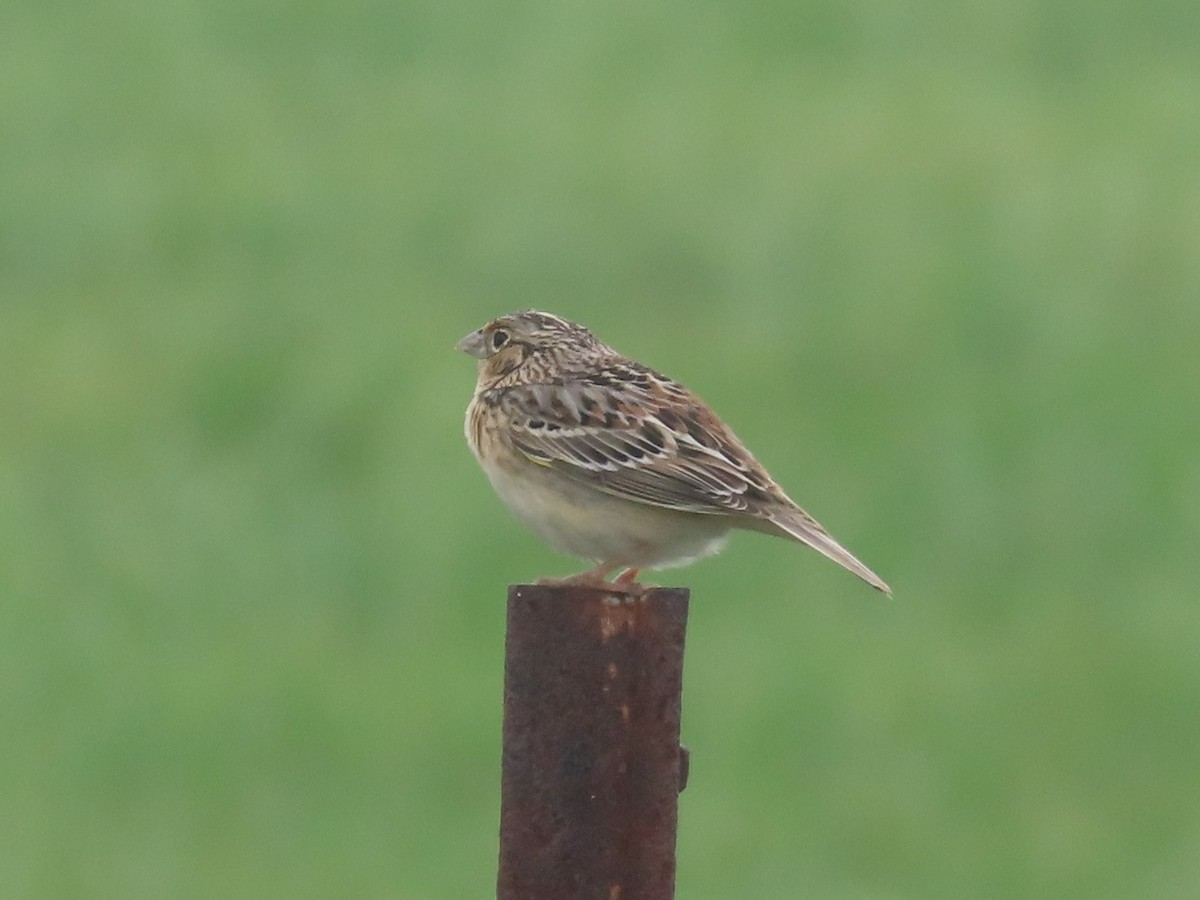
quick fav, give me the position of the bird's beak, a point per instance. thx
(474, 344)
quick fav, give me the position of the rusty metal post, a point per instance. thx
(592, 765)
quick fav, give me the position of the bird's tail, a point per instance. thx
(799, 525)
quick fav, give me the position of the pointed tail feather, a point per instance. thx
(798, 524)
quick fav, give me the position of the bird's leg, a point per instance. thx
(591, 578)
(629, 584)
(624, 584)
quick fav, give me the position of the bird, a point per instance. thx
(610, 461)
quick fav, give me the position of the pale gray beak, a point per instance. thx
(474, 344)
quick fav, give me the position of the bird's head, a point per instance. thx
(531, 341)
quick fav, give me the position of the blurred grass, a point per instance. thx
(937, 264)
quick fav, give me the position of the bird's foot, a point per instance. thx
(625, 584)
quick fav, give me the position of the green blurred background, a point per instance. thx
(939, 264)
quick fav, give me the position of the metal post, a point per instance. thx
(592, 765)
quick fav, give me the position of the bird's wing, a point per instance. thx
(632, 433)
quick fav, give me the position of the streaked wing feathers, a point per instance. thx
(635, 434)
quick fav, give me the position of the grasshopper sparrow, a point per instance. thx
(610, 461)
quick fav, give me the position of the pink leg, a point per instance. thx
(626, 583)
(592, 577)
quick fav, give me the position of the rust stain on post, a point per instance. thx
(592, 765)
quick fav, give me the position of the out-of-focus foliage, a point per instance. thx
(937, 264)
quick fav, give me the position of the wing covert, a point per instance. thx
(633, 433)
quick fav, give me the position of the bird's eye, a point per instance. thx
(499, 339)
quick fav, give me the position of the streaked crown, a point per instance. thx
(535, 343)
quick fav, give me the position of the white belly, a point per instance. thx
(589, 524)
